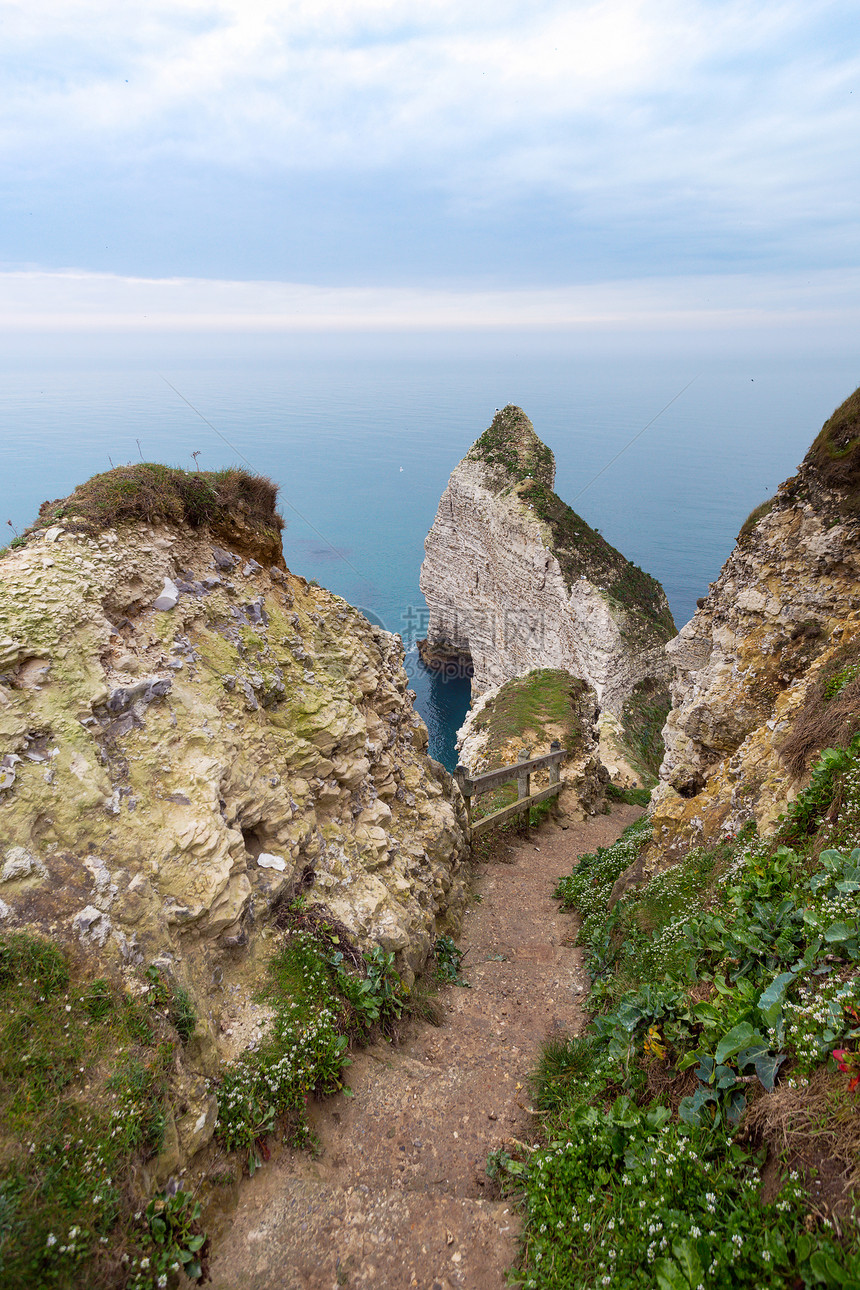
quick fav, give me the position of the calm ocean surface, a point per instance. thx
(362, 448)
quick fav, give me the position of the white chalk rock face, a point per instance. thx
(169, 596)
(516, 580)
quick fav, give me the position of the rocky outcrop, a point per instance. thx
(532, 712)
(515, 580)
(188, 737)
(759, 664)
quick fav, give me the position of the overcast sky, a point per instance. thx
(448, 158)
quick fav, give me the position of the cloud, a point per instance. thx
(716, 125)
(78, 301)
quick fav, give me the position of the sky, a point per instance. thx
(322, 164)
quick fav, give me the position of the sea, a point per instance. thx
(665, 449)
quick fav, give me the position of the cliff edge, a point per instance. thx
(765, 672)
(190, 735)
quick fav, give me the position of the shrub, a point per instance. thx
(153, 493)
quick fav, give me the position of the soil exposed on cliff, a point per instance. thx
(398, 1195)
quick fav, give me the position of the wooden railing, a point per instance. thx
(472, 786)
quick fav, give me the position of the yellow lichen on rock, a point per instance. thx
(783, 613)
(169, 776)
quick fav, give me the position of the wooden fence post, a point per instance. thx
(555, 774)
(461, 775)
(524, 786)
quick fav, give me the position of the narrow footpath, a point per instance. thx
(398, 1196)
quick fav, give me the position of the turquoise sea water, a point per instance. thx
(362, 446)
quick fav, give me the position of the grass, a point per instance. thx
(834, 458)
(705, 1128)
(152, 493)
(756, 514)
(531, 710)
(543, 705)
(830, 714)
(629, 796)
(642, 720)
(84, 1082)
(510, 444)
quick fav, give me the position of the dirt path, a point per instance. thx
(398, 1196)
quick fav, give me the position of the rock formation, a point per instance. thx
(532, 711)
(187, 736)
(765, 672)
(515, 580)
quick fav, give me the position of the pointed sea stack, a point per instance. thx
(516, 580)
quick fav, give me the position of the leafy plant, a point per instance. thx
(379, 996)
(449, 961)
(738, 968)
(174, 1227)
(163, 993)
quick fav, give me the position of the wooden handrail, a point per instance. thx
(475, 785)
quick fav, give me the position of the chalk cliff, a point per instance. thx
(187, 736)
(515, 580)
(765, 674)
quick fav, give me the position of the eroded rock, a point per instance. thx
(166, 810)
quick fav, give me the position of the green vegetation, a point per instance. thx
(304, 1051)
(642, 720)
(543, 705)
(629, 796)
(511, 444)
(830, 715)
(85, 1095)
(834, 458)
(84, 1073)
(449, 961)
(168, 994)
(582, 552)
(153, 493)
(532, 710)
(715, 1091)
(322, 992)
(525, 464)
(756, 514)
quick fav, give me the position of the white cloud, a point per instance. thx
(37, 301)
(700, 121)
(362, 84)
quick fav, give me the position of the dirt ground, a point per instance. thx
(398, 1196)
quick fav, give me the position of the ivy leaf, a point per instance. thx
(696, 1109)
(771, 1001)
(838, 932)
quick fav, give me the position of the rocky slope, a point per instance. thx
(187, 735)
(765, 673)
(515, 580)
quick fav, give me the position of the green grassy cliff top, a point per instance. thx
(511, 444)
(150, 493)
(834, 458)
